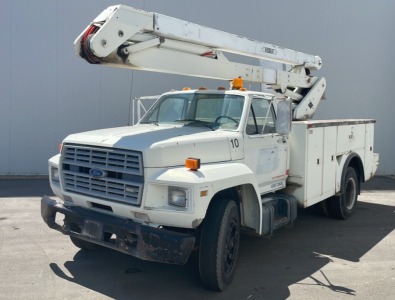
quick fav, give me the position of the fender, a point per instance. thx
(212, 177)
(360, 171)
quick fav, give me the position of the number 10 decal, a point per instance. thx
(235, 143)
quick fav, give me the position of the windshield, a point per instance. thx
(214, 111)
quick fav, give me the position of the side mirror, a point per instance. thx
(284, 117)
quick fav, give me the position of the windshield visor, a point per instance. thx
(214, 111)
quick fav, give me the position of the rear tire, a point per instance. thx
(219, 245)
(324, 208)
(344, 205)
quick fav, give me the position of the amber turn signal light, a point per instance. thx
(192, 163)
(237, 83)
(60, 147)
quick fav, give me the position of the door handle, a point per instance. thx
(282, 140)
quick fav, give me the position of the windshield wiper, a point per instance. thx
(197, 122)
(150, 122)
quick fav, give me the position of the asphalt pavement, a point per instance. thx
(319, 258)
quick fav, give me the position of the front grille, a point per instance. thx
(109, 159)
(117, 190)
(123, 181)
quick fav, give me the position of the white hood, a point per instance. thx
(162, 146)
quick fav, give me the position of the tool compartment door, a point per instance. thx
(329, 160)
(350, 137)
(315, 145)
(368, 163)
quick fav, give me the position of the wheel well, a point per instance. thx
(229, 193)
(355, 162)
(247, 201)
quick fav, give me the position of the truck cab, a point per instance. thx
(140, 173)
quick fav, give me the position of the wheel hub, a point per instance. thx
(350, 193)
(231, 246)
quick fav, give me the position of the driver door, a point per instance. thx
(265, 151)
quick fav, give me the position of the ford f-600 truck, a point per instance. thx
(203, 165)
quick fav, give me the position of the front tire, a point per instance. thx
(219, 244)
(344, 205)
(84, 245)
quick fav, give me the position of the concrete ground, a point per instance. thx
(320, 258)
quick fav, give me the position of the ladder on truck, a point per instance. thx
(126, 37)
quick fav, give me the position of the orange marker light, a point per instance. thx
(221, 88)
(202, 88)
(203, 193)
(186, 89)
(237, 83)
(60, 147)
(243, 89)
(192, 163)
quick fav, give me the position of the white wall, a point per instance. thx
(47, 92)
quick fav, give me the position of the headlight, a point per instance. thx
(177, 196)
(54, 174)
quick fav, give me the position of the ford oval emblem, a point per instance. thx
(97, 173)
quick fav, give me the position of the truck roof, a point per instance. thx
(212, 91)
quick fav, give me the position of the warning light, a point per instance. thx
(237, 83)
(193, 163)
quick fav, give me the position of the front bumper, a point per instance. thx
(132, 238)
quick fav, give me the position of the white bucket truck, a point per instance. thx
(203, 165)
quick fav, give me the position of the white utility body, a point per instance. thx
(203, 165)
(318, 152)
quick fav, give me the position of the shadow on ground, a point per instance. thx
(266, 268)
(14, 188)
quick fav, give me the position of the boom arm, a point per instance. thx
(126, 37)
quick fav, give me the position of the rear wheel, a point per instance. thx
(324, 208)
(344, 205)
(219, 245)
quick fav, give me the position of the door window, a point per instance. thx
(261, 117)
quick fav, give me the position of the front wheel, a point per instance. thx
(219, 244)
(84, 245)
(343, 206)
